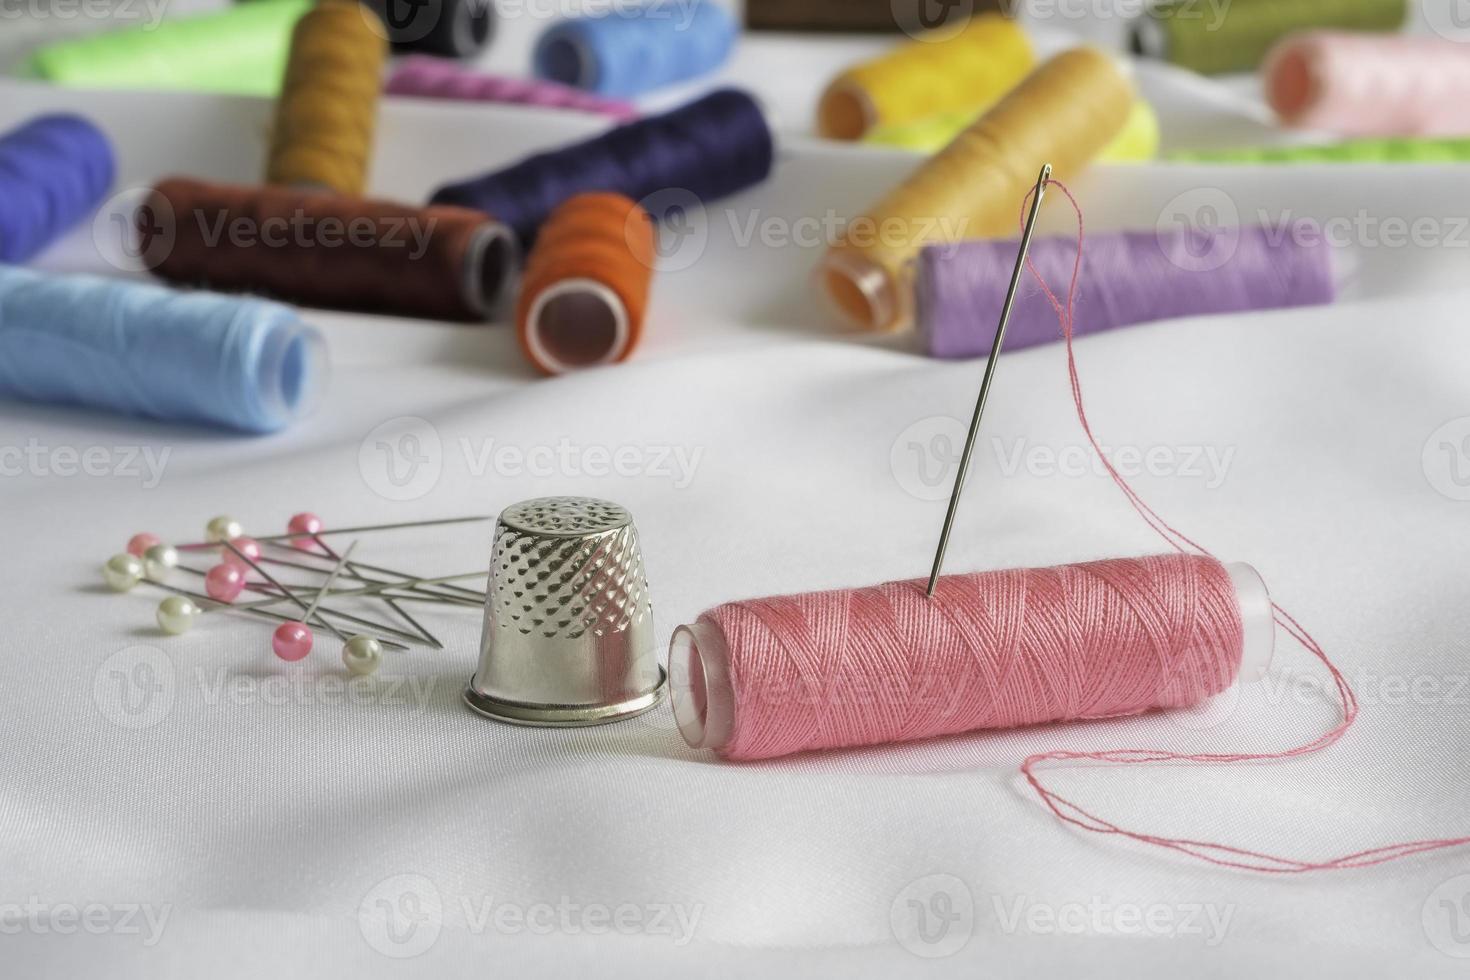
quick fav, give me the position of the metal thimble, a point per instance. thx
(568, 637)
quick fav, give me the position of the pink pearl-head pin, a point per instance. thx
(305, 524)
(292, 641)
(249, 547)
(224, 582)
(139, 543)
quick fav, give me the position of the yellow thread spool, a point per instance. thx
(1065, 113)
(1139, 139)
(323, 135)
(927, 76)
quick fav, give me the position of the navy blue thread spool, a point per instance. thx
(54, 170)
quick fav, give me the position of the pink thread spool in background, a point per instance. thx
(1370, 84)
(435, 78)
(769, 677)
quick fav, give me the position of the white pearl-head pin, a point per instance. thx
(176, 614)
(363, 655)
(122, 572)
(159, 560)
(223, 528)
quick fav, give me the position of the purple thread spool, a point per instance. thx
(435, 78)
(1126, 278)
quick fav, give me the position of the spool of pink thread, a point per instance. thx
(770, 677)
(435, 78)
(1358, 84)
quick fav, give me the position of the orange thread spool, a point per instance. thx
(323, 135)
(586, 284)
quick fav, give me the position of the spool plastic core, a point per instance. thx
(577, 323)
(491, 262)
(292, 373)
(861, 291)
(846, 112)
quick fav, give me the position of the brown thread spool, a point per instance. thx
(325, 250)
(323, 135)
(585, 291)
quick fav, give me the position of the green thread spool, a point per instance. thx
(240, 51)
(1214, 39)
(1451, 150)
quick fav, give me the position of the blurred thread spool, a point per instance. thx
(141, 349)
(1126, 278)
(1139, 139)
(325, 116)
(1370, 85)
(1237, 36)
(708, 149)
(53, 171)
(1398, 150)
(423, 77)
(326, 250)
(927, 76)
(1064, 113)
(627, 52)
(585, 291)
(241, 50)
(851, 16)
(451, 28)
(38, 24)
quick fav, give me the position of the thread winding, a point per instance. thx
(1064, 113)
(627, 52)
(991, 650)
(585, 291)
(424, 77)
(934, 74)
(1138, 140)
(53, 171)
(323, 134)
(241, 50)
(141, 349)
(1125, 278)
(707, 149)
(1370, 85)
(327, 250)
(1238, 36)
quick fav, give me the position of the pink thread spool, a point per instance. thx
(433, 78)
(1356, 84)
(770, 677)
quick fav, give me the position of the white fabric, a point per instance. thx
(268, 825)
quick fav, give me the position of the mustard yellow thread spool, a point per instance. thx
(1064, 113)
(927, 76)
(327, 111)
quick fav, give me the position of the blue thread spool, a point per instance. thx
(623, 53)
(53, 171)
(141, 349)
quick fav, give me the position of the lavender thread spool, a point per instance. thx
(1126, 278)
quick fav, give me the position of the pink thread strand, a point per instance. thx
(434, 78)
(1215, 853)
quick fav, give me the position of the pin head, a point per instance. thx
(292, 641)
